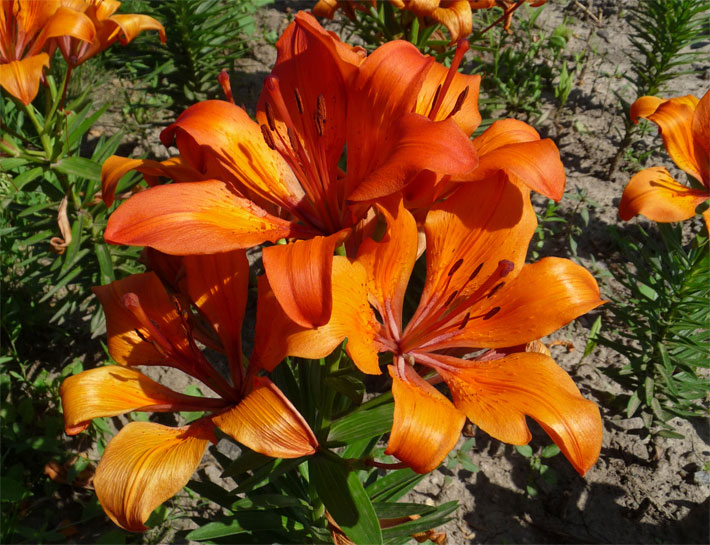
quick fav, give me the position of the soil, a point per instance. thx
(634, 494)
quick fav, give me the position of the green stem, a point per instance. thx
(46, 144)
(61, 92)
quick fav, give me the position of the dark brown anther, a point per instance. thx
(455, 267)
(293, 138)
(320, 108)
(436, 97)
(451, 298)
(474, 274)
(465, 320)
(266, 133)
(495, 290)
(491, 313)
(299, 102)
(319, 123)
(505, 267)
(459, 102)
(270, 116)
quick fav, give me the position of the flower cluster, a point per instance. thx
(355, 166)
(32, 30)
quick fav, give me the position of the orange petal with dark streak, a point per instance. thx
(146, 464)
(21, 78)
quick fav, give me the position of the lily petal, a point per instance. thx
(467, 117)
(497, 395)
(195, 218)
(515, 148)
(218, 285)
(701, 138)
(654, 194)
(146, 464)
(456, 17)
(220, 139)
(267, 422)
(674, 118)
(132, 24)
(300, 275)
(470, 233)
(114, 390)
(389, 263)
(418, 144)
(426, 425)
(115, 167)
(21, 78)
(544, 297)
(277, 336)
(126, 336)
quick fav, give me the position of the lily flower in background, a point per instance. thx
(110, 26)
(280, 178)
(684, 124)
(147, 463)
(479, 299)
(25, 28)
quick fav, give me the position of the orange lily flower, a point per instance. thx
(147, 463)
(279, 178)
(25, 28)
(684, 124)
(110, 27)
(479, 298)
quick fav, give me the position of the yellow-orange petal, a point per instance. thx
(389, 263)
(146, 464)
(132, 24)
(195, 218)
(300, 275)
(126, 336)
(65, 22)
(418, 144)
(221, 140)
(325, 8)
(115, 167)
(654, 193)
(497, 395)
(515, 148)
(21, 78)
(218, 285)
(277, 336)
(544, 297)
(644, 107)
(267, 422)
(701, 138)
(114, 390)
(674, 118)
(426, 425)
(456, 17)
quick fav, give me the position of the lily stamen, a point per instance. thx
(461, 48)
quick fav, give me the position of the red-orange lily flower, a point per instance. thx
(479, 297)
(280, 178)
(147, 463)
(110, 26)
(684, 124)
(25, 28)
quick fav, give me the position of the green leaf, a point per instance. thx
(103, 256)
(525, 450)
(79, 166)
(393, 510)
(436, 517)
(241, 522)
(345, 498)
(393, 485)
(549, 451)
(363, 424)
